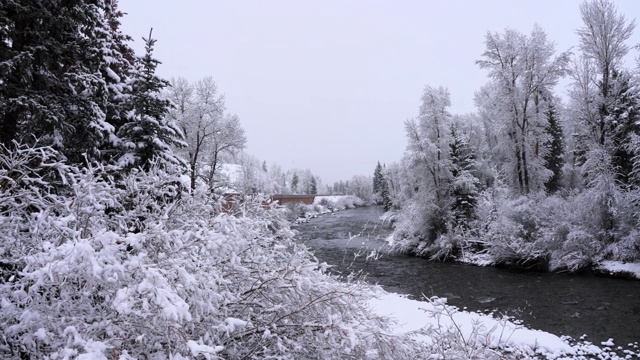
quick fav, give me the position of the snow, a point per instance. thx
(412, 316)
(197, 349)
(620, 267)
(329, 198)
(231, 171)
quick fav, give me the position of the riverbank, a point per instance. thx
(453, 333)
(474, 251)
(353, 242)
(298, 213)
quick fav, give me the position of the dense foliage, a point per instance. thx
(107, 251)
(139, 267)
(529, 181)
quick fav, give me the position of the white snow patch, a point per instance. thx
(197, 349)
(232, 171)
(329, 198)
(412, 315)
(619, 267)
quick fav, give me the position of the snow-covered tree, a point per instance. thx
(148, 135)
(294, 183)
(554, 158)
(524, 71)
(63, 70)
(360, 186)
(209, 131)
(228, 136)
(605, 95)
(428, 162)
(313, 186)
(377, 182)
(465, 185)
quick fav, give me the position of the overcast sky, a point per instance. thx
(327, 85)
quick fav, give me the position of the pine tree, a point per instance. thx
(314, 186)
(464, 183)
(294, 183)
(554, 159)
(148, 135)
(62, 70)
(377, 179)
(384, 193)
(623, 122)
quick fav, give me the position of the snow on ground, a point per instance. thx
(232, 171)
(620, 267)
(485, 330)
(328, 198)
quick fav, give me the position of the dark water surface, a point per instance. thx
(563, 304)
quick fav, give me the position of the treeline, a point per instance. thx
(73, 83)
(529, 179)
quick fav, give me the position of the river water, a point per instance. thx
(563, 304)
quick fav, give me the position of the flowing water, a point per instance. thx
(563, 304)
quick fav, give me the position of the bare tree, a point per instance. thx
(209, 131)
(603, 43)
(602, 40)
(227, 136)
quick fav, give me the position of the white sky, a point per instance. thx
(327, 85)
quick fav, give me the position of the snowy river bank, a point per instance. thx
(562, 304)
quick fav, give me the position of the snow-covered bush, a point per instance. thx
(137, 268)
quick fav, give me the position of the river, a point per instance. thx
(560, 303)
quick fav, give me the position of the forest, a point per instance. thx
(533, 179)
(113, 239)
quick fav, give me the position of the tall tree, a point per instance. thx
(313, 187)
(209, 131)
(384, 193)
(228, 136)
(554, 158)
(378, 179)
(602, 41)
(427, 156)
(465, 186)
(62, 75)
(148, 135)
(294, 183)
(524, 71)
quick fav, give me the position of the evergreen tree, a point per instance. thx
(554, 159)
(623, 122)
(294, 183)
(384, 193)
(62, 67)
(148, 135)
(313, 186)
(377, 179)
(464, 183)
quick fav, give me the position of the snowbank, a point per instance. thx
(618, 267)
(435, 322)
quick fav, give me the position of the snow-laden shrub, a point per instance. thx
(341, 202)
(420, 223)
(137, 268)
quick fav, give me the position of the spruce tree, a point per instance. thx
(377, 179)
(148, 134)
(294, 183)
(464, 183)
(554, 159)
(623, 123)
(313, 186)
(384, 194)
(61, 70)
